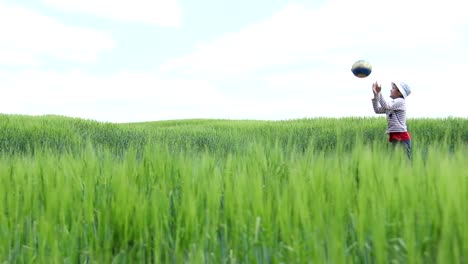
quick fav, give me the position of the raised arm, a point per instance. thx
(396, 104)
(376, 89)
(375, 104)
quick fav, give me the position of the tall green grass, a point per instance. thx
(253, 192)
(21, 134)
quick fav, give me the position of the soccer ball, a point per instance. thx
(361, 69)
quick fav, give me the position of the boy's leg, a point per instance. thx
(405, 143)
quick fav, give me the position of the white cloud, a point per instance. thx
(25, 35)
(300, 58)
(158, 12)
(140, 96)
(120, 97)
(336, 31)
(134, 96)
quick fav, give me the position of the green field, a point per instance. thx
(318, 190)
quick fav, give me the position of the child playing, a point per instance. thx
(396, 113)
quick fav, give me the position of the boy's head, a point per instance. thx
(402, 89)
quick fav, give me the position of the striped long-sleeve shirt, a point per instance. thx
(395, 111)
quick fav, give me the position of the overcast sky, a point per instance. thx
(150, 60)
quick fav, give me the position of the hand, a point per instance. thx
(376, 88)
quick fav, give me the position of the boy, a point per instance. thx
(396, 113)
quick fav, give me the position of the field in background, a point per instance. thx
(20, 134)
(232, 191)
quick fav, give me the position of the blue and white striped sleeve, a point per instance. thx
(397, 104)
(375, 104)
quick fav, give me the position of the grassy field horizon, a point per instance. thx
(319, 190)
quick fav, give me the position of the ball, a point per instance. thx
(361, 69)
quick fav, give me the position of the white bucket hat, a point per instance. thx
(404, 88)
